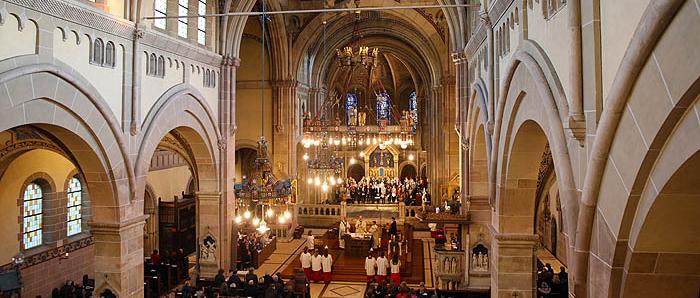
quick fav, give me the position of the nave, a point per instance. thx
(533, 148)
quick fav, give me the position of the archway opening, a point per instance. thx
(665, 256)
(356, 172)
(179, 174)
(46, 206)
(245, 161)
(478, 170)
(408, 172)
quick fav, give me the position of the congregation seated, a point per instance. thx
(163, 272)
(383, 190)
(250, 246)
(271, 286)
(551, 284)
(71, 289)
(389, 289)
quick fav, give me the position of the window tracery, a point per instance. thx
(160, 10)
(182, 10)
(202, 23)
(32, 216)
(97, 50)
(74, 205)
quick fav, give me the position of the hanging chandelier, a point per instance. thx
(355, 54)
(262, 195)
(325, 166)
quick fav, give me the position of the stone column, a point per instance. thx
(513, 267)
(209, 257)
(119, 257)
(284, 124)
(462, 105)
(227, 155)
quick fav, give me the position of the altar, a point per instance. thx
(357, 245)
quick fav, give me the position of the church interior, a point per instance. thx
(350, 148)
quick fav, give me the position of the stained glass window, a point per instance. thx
(383, 105)
(351, 109)
(202, 23)
(413, 109)
(160, 9)
(32, 216)
(74, 205)
(182, 10)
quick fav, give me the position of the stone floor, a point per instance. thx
(288, 251)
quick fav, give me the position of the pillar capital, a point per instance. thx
(459, 57)
(230, 61)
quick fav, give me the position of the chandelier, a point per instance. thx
(262, 191)
(354, 54)
(349, 57)
(326, 167)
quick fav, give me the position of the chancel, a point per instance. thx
(350, 148)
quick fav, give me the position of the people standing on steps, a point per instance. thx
(316, 267)
(395, 266)
(326, 265)
(376, 232)
(342, 230)
(310, 241)
(305, 259)
(370, 267)
(382, 264)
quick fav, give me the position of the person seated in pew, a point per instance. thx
(219, 278)
(251, 276)
(155, 257)
(233, 279)
(251, 290)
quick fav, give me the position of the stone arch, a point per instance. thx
(478, 163)
(516, 200)
(529, 115)
(661, 262)
(59, 102)
(195, 124)
(356, 171)
(66, 107)
(639, 79)
(525, 83)
(407, 168)
(150, 200)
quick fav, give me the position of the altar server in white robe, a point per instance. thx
(370, 267)
(326, 263)
(382, 265)
(316, 263)
(305, 259)
(310, 241)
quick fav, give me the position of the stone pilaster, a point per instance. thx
(119, 257)
(513, 265)
(284, 138)
(227, 153)
(209, 228)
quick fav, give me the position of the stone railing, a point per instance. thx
(319, 210)
(435, 215)
(412, 211)
(450, 268)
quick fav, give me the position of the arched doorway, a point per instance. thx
(245, 159)
(170, 198)
(356, 171)
(408, 171)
